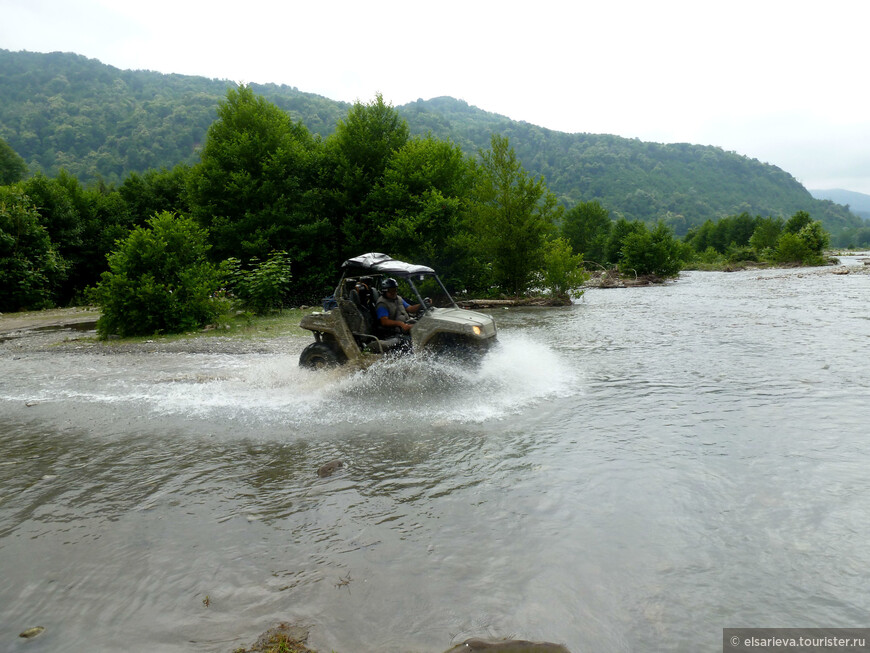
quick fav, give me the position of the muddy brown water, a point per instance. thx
(632, 473)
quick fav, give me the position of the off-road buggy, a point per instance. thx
(347, 330)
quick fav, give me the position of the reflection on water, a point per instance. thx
(633, 473)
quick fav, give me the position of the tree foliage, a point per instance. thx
(159, 280)
(562, 270)
(12, 166)
(798, 241)
(359, 153)
(513, 217)
(155, 191)
(423, 200)
(98, 122)
(587, 228)
(82, 223)
(257, 188)
(651, 252)
(266, 187)
(766, 233)
(264, 286)
(797, 222)
(30, 267)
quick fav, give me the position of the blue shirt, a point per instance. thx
(383, 312)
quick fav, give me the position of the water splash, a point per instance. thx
(272, 390)
(518, 373)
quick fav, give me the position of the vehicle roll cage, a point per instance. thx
(379, 267)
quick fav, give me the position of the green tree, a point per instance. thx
(587, 227)
(563, 271)
(654, 252)
(621, 229)
(797, 222)
(513, 215)
(83, 224)
(423, 200)
(105, 220)
(815, 236)
(766, 233)
(12, 166)
(257, 190)
(740, 229)
(790, 248)
(159, 280)
(30, 267)
(59, 201)
(358, 153)
(155, 191)
(803, 241)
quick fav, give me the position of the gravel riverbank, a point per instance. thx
(73, 330)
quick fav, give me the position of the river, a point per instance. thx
(632, 473)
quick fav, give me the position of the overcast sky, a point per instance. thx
(781, 81)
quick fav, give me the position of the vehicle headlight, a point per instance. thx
(476, 330)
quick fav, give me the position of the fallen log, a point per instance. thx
(507, 303)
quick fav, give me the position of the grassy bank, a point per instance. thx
(246, 325)
(73, 329)
(246, 330)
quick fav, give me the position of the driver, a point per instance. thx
(393, 311)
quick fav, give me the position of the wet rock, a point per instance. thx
(507, 646)
(283, 637)
(30, 633)
(329, 468)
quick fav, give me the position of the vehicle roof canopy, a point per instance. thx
(377, 263)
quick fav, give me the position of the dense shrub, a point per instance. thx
(791, 249)
(651, 252)
(159, 280)
(815, 236)
(804, 247)
(709, 256)
(737, 253)
(262, 288)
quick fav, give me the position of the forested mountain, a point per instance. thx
(859, 203)
(680, 183)
(63, 110)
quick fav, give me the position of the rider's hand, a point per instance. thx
(406, 327)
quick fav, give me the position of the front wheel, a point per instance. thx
(318, 355)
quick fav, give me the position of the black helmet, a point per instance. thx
(389, 283)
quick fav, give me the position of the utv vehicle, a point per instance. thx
(348, 329)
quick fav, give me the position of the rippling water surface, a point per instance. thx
(632, 473)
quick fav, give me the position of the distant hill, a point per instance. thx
(680, 183)
(101, 122)
(859, 203)
(62, 110)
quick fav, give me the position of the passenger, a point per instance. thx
(392, 310)
(364, 293)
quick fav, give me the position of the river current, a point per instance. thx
(632, 473)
